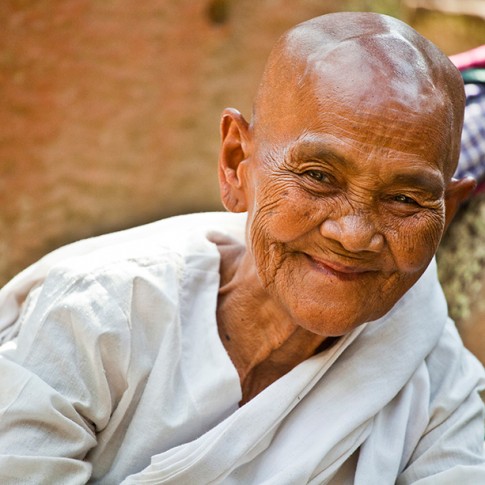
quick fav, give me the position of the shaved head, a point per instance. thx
(368, 62)
(346, 167)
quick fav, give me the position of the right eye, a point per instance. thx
(317, 175)
(404, 199)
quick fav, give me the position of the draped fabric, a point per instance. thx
(145, 392)
(383, 391)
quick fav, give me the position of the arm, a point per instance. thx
(61, 382)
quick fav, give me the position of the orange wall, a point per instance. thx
(109, 109)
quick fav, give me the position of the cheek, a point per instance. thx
(414, 241)
(279, 215)
(280, 211)
(286, 211)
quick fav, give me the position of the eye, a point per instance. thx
(404, 199)
(317, 175)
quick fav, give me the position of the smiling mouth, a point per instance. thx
(342, 271)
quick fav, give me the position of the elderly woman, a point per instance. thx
(306, 341)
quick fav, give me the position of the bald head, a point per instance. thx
(367, 62)
(345, 169)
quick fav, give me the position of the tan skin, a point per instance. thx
(347, 186)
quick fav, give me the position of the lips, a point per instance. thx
(340, 270)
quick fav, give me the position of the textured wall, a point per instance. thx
(109, 109)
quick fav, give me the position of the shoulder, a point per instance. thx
(169, 240)
(119, 265)
(454, 373)
(112, 268)
(164, 248)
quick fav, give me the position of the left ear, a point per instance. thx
(233, 157)
(456, 193)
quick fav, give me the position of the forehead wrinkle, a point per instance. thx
(401, 54)
(374, 71)
(382, 130)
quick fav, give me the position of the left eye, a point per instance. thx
(404, 199)
(317, 175)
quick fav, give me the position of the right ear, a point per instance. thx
(457, 191)
(233, 153)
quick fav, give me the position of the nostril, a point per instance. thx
(354, 233)
(330, 229)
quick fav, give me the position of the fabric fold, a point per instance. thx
(315, 423)
(309, 401)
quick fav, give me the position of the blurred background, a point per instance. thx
(109, 114)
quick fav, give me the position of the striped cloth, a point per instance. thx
(472, 153)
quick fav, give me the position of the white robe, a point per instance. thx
(118, 372)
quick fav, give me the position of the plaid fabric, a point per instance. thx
(472, 155)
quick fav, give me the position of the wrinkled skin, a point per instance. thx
(345, 172)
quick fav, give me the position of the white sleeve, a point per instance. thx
(451, 450)
(60, 381)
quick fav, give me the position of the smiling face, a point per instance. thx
(344, 219)
(345, 184)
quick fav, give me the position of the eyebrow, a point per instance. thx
(426, 180)
(422, 178)
(314, 150)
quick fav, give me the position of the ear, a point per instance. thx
(233, 154)
(456, 193)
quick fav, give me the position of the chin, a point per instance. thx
(329, 323)
(336, 320)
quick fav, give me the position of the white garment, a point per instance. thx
(118, 360)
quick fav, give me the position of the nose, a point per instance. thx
(354, 232)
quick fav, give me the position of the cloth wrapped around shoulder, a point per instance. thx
(394, 401)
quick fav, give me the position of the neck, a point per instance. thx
(258, 334)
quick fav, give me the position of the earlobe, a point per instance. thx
(456, 193)
(233, 153)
